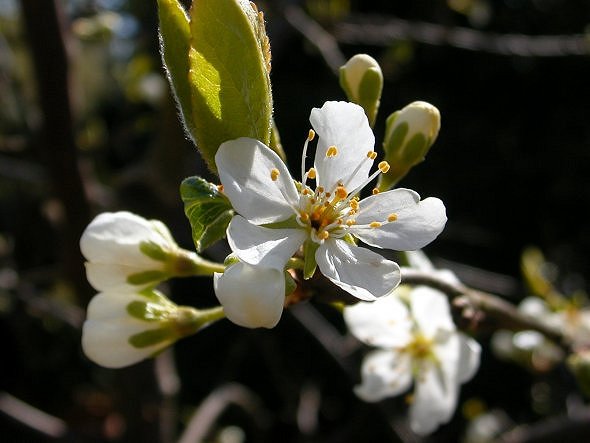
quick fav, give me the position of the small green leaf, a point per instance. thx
(208, 211)
(175, 39)
(229, 74)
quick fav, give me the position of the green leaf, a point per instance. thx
(229, 74)
(175, 39)
(208, 211)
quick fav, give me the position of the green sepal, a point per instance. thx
(142, 278)
(147, 311)
(290, 223)
(310, 264)
(152, 337)
(153, 250)
(175, 39)
(229, 74)
(370, 89)
(208, 211)
(290, 284)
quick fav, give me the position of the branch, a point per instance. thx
(33, 418)
(380, 31)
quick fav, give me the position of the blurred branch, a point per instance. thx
(169, 385)
(43, 22)
(325, 43)
(31, 417)
(380, 31)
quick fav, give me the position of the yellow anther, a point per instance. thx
(392, 217)
(375, 224)
(311, 135)
(323, 235)
(339, 221)
(332, 151)
(383, 166)
(304, 217)
(350, 222)
(351, 212)
(306, 191)
(328, 194)
(319, 190)
(375, 191)
(274, 174)
(220, 188)
(341, 192)
(312, 173)
(372, 155)
(354, 204)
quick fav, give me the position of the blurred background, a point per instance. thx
(87, 124)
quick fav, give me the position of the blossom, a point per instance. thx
(127, 252)
(277, 215)
(416, 341)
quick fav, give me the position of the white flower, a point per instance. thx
(421, 344)
(124, 328)
(246, 301)
(127, 252)
(263, 192)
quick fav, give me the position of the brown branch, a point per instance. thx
(43, 22)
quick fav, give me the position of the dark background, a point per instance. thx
(511, 164)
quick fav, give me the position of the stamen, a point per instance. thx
(372, 155)
(274, 174)
(354, 205)
(328, 194)
(323, 235)
(311, 135)
(351, 222)
(309, 138)
(340, 192)
(392, 217)
(332, 151)
(375, 224)
(220, 188)
(383, 166)
(320, 190)
(304, 217)
(312, 173)
(376, 191)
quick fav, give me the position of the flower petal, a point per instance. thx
(384, 374)
(417, 223)
(384, 323)
(113, 276)
(252, 296)
(431, 311)
(245, 167)
(470, 352)
(345, 126)
(108, 327)
(267, 247)
(362, 273)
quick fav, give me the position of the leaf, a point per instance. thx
(229, 74)
(208, 211)
(175, 39)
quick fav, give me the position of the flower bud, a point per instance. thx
(362, 80)
(127, 252)
(124, 328)
(409, 134)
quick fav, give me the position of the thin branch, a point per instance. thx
(325, 43)
(380, 31)
(31, 417)
(169, 385)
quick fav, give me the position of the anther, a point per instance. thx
(392, 217)
(311, 135)
(332, 151)
(323, 235)
(372, 155)
(311, 173)
(350, 222)
(341, 192)
(274, 174)
(328, 194)
(220, 188)
(304, 217)
(383, 166)
(354, 204)
(376, 191)
(320, 190)
(375, 224)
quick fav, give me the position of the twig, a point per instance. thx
(377, 30)
(169, 386)
(325, 43)
(33, 418)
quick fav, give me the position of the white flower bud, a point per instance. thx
(362, 80)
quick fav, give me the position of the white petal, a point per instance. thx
(363, 273)
(115, 238)
(418, 222)
(345, 126)
(470, 352)
(113, 276)
(384, 323)
(267, 247)
(431, 311)
(109, 326)
(252, 296)
(245, 167)
(384, 374)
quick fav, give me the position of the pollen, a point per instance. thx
(392, 217)
(350, 222)
(332, 151)
(320, 190)
(341, 192)
(311, 135)
(323, 235)
(376, 191)
(304, 217)
(354, 205)
(372, 155)
(274, 174)
(312, 173)
(375, 224)
(383, 166)
(220, 188)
